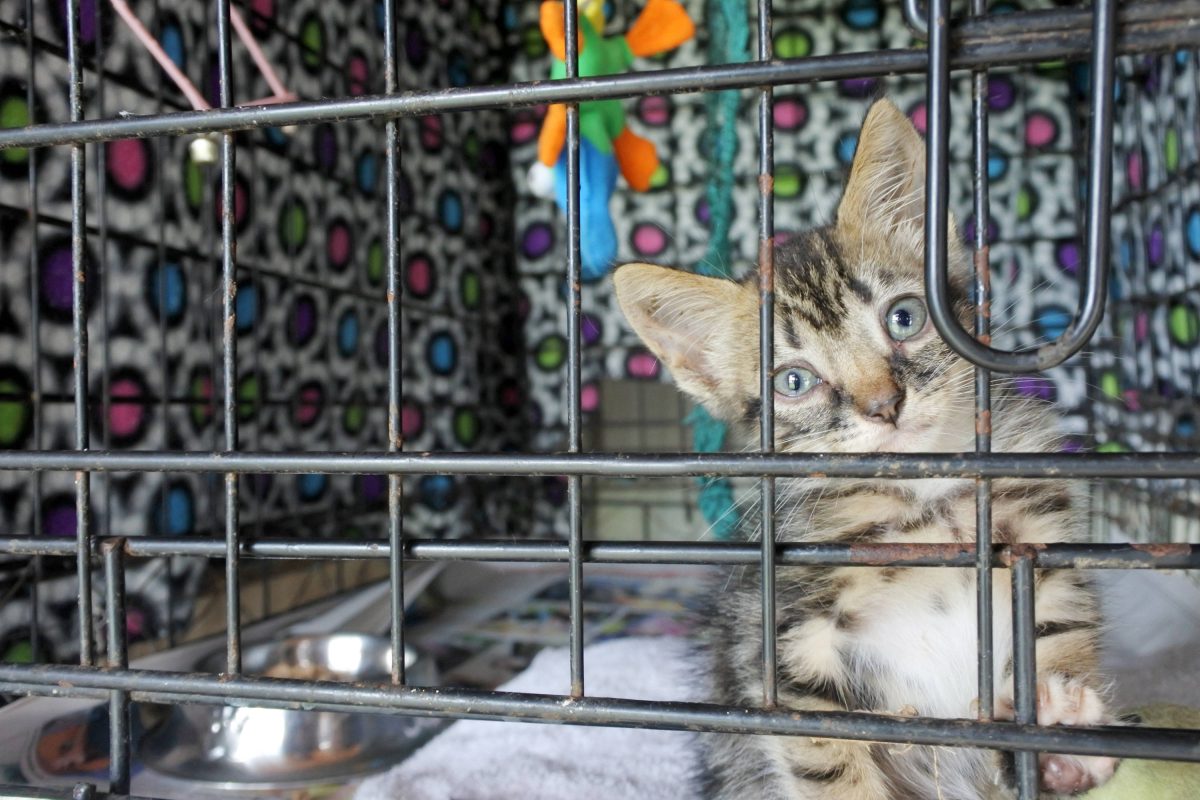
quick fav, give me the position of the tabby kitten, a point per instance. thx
(859, 368)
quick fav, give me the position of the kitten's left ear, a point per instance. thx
(886, 189)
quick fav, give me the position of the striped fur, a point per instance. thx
(889, 640)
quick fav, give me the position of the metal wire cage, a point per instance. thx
(976, 43)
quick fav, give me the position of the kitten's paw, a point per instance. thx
(1073, 774)
(1005, 708)
(1061, 701)
(1069, 702)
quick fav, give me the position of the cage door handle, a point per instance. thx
(914, 17)
(1099, 201)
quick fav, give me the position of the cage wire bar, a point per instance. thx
(574, 356)
(395, 284)
(975, 43)
(118, 709)
(35, 341)
(79, 339)
(161, 255)
(766, 355)
(983, 382)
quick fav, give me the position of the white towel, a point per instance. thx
(1152, 646)
(476, 760)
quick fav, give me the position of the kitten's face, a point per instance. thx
(858, 364)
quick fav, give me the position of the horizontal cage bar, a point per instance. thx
(174, 687)
(1011, 39)
(908, 466)
(1048, 556)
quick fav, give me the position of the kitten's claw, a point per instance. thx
(1068, 702)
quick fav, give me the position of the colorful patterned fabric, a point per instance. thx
(311, 312)
(1146, 369)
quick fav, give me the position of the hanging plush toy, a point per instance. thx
(607, 144)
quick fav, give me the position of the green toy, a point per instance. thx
(607, 144)
(1155, 780)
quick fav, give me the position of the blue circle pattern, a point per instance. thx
(311, 486)
(176, 512)
(171, 40)
(1125, 253)
(1052, 321)
(442, 353)
(846, 146)
(348, 334)
(861, 14)
(168, 285)
(457, 70)
(450, 209)
(436, 491)
(246, 307)
(997, 165)
(367, 172)
(1192, 228)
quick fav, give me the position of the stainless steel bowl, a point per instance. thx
(262, 747)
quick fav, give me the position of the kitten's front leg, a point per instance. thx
(1070, 691)
(828, 769)
(739, 767)
(1062, 701)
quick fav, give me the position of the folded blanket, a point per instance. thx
(1153, 644)
(474, 760)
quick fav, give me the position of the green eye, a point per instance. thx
(795, 381)
(906, 318)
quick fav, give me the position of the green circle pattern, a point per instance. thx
(471, 291)
(353, 418)
(14, 113)
(551, 352)
(248, 395)
(792, 44)
(375, 263)
(14, 414)
(293, 225)
(466, 426)
(1184, 324)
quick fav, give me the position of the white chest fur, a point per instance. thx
(917, 642)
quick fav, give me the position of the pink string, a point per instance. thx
(150, 43)
(280, 92)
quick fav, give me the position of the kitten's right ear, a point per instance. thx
(693, 324)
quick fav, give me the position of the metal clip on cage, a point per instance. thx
(1099, 198)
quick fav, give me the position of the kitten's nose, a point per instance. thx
(885, 408)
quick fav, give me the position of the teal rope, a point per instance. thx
(729, 37)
